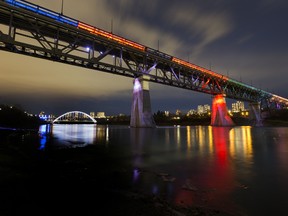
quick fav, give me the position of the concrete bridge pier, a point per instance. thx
(220, 116)
(141, 114)
(255, 114)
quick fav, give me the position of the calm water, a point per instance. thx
(239, 169)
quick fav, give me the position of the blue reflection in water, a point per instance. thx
(136, 174)
(44, 131)
(72, 135)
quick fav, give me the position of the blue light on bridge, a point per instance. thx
(26, 6)
(68, 21)
(44, 12)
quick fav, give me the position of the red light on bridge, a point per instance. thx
(219, 99)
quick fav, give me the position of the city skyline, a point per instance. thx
(250, 48)
(236, 107)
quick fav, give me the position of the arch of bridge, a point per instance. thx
(67, 113)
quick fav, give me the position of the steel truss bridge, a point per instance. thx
(38, 32)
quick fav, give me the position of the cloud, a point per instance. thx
(146, 23)
(180, 28)
(273, 4)
(202, 26)
(56, 78)
(245, 38)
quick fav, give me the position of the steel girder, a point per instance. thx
(38, 36)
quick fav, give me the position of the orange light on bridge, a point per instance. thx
(86, 27)
(110, 36)
(196, 67)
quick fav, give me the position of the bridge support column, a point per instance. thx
(220, 116)
(141, 115)
(255, 114)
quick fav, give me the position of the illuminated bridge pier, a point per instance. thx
(141, 114)
(255, 114)
(220, 115)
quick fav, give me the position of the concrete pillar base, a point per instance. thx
(220, 116)
(141, 115)
(255, 114)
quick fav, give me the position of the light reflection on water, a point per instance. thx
(72, 135)
(230, 168)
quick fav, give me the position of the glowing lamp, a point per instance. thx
(219, 99)
(137, 85)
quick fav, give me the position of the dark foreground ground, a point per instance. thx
(74, 182)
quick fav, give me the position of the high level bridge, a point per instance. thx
(39, 32)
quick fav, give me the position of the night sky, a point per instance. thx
(246, 40)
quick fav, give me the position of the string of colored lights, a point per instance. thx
(196, 67)
(108, 35)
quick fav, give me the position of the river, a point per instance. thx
(241, 169)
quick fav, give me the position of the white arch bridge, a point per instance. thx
(75, 117)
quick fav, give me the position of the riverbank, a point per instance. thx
(73, 182)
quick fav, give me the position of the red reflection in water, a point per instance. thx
(222, 177)
(221, 138)
(213, 184)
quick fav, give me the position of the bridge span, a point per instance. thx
(75, 117)
(39, 32)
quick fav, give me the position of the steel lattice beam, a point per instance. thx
(38, 36)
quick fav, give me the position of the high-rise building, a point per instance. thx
(203, 109)
(191, 112)
(238, 106)
(167, 113)
(207, 108)
(200, 109)
(100, 115)
(178, 112)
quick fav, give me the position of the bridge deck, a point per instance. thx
(69, 41)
